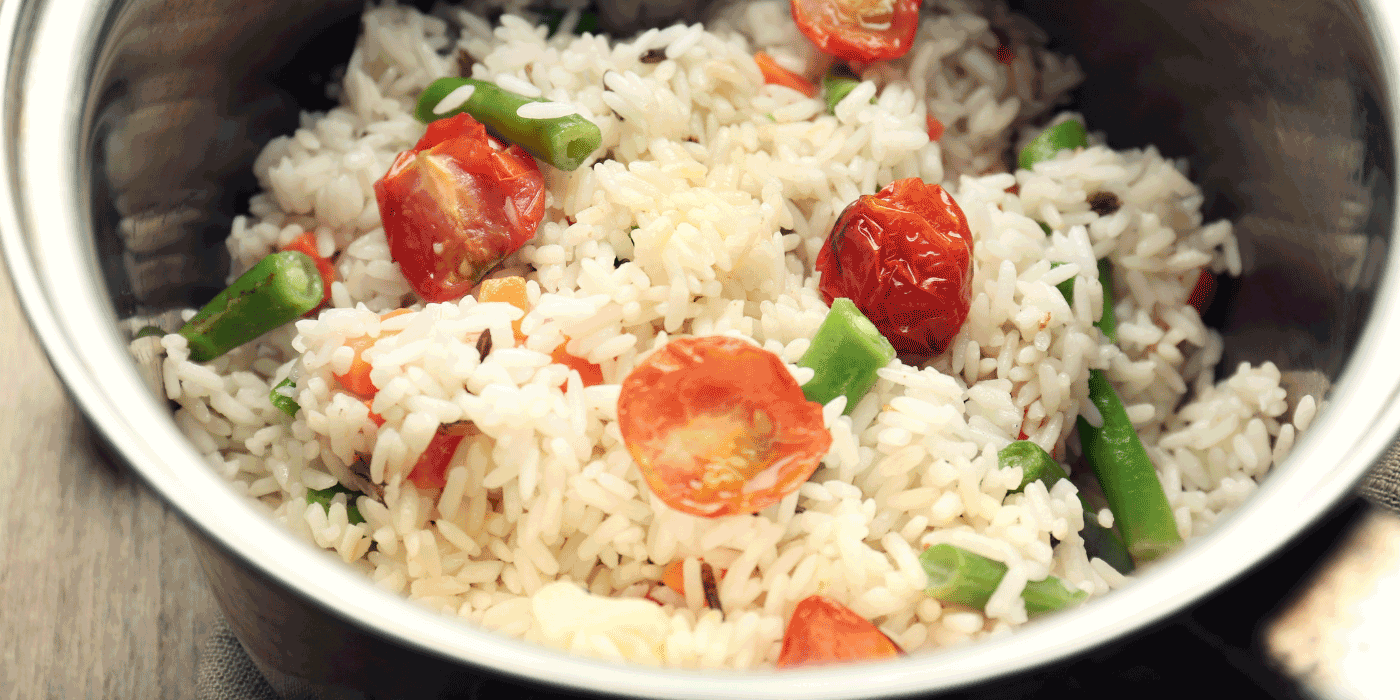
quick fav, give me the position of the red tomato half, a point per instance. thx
(823, 631)
(859, 30)
(456, 205)
(904, 256)
(718, 426)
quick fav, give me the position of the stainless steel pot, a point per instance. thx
(151, 110)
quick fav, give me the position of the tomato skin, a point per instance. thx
(589, 373)
(430, 471)
(935, 127)
(837, 30)
(718, 426)
(1203, 292)
(460, 189)
(904, 256)
(824, 631)
(774, 74)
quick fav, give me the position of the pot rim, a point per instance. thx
(47, 241)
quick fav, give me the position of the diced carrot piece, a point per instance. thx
(935, 128)
(591, 374)
(378, 419)
(356, 379)
(674, 576)
(511, 290)
(430, 471)
(1203, 293)
(306, 243)
(774, 74)
(1005, 56)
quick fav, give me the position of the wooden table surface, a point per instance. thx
(100, 594)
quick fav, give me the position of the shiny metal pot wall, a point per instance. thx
(130, 127)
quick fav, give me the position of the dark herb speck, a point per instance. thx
(483, 344)
(1104, 203)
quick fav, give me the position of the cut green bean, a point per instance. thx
(1067, 286)
(845, 355)
(552, 17)
(1037, 465)
(280, 288)
(956, 575)
(564, 142)
(1050, 594)
(1067, 134)
(1126, 474)
(281, 397)
(324, 496)
(1108, 322)
(149, 332)
(836, 88)
(1105, 542)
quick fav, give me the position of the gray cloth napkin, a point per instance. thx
(226, 672)
(1382, 484)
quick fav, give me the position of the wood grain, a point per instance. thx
(100, 595)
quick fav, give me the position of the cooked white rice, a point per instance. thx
(731, 186)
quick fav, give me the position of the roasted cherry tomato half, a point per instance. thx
(823, 631)
(859, 30)
(718, 426)
(904, 256)
(456, 205)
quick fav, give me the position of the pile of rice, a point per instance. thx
(701, 214)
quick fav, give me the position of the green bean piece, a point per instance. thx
(1066, 287)
(1105, 542)
(552, 17)
(956, 575)
(1067, 134)
(1037, 465)
(845, 355)
(149, 332)
(564, 142)
(281, 397)
(836, 88)
(1108, 322)
(280, 288)
(1050, 594)
(324, 496)
(1128, 478)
